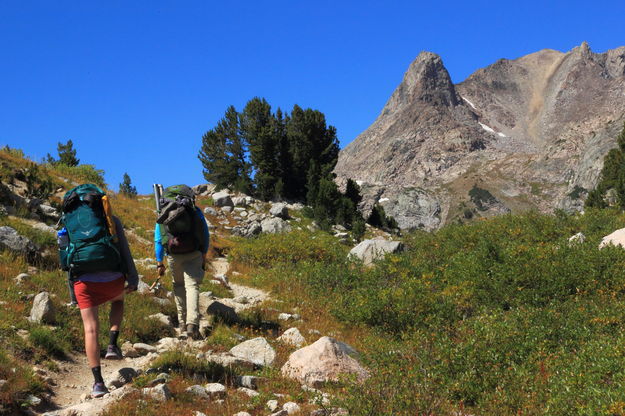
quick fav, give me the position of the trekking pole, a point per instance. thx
(158, 278)
(158, 190)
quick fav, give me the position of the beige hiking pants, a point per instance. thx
(187, 273)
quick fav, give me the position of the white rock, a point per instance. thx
(242, 414)
(275, 226)
(122, 376)
(371, 250)
(216, 390)
(248, 392)
(22, 278)
(43, 309)
(222, 199)
(578, 238)
(617, 238)
(272, 405)
(256, 350)
(198, 391)
(323, 361)
(143, 349)
(293, 337)
(161, 317)
(291, 408)
(160, 392)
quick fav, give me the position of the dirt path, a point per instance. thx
(73, 382)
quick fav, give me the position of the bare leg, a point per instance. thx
(117, 312)
(91, 325)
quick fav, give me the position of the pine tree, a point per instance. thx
(352, 191)
(126, 187)
(224, 155)
(257, 129)
(612, 177)
(67, 154)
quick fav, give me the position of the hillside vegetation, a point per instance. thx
(496, 317)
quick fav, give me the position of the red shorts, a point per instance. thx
(90, 294)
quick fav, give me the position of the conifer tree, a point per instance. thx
(612, 177)
(223, 155)
(126, 187)
(67, 155)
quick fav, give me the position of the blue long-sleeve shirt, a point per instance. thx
(159, 249)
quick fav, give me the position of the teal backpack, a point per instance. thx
(92, 236)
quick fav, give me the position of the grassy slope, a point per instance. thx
(497, 317)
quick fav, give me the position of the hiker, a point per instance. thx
(182, 234)
(94, 250)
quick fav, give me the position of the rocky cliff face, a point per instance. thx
(519, 134)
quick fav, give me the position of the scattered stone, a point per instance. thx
(167, 344)
(578, 238)
(251, 382)
(229, 360)
(222, 199)
(160, 392)
(122, 376)
(272, 405)
(198, 413)
(11, 240)
(280, 413)
(323, 361)
(256, 350)
(48, 211)
(129, 351)
(291, 407)
(216, 390)
(288, 317)
(3, 383)
(198, 391)
(223, 312)
(33, 400)
(143, 287)
(371, 250)
(22, 278)
(292, 337)
(242, 414)
(143, 349)
(210, 211)
(226, 210)
(248, 392)
(275, 225)
(279, 210)
(617, 238)
(241, 299)
(43, 309)
(239, 201)
(161, 317)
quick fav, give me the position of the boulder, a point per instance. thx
(122, 376)
(279, 210)
(216, 390)
(226, 210)
(22, 278)
(617, 238)
(578, 238)
(250, 382)
(210, 211)
(229, 360)
(321, 362)
(240, 201)
(167, 344)
(222, 199)
(198, 391)
(256, 350)
(371, 250)
(16, 243)
(203, 189)
(129, 351)
(160, 392)
(43, 309)
(291, 408)
(275, 225)
(48, 211)
(143, 349)
(44, 227)
(272, 405)
(292, 337)
(226, 313)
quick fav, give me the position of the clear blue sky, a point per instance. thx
(135, 84)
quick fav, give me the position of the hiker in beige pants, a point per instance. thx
(187, 271)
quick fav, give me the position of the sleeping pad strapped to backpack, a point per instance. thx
(91, 230)
(179, 229)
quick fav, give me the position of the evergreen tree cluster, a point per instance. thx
(67, 155)
(280, 156)
(612, 177)
(127, 188)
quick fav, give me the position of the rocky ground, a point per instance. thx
(311, 364)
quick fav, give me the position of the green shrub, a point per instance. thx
(81, 173)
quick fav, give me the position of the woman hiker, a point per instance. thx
(102, 282)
